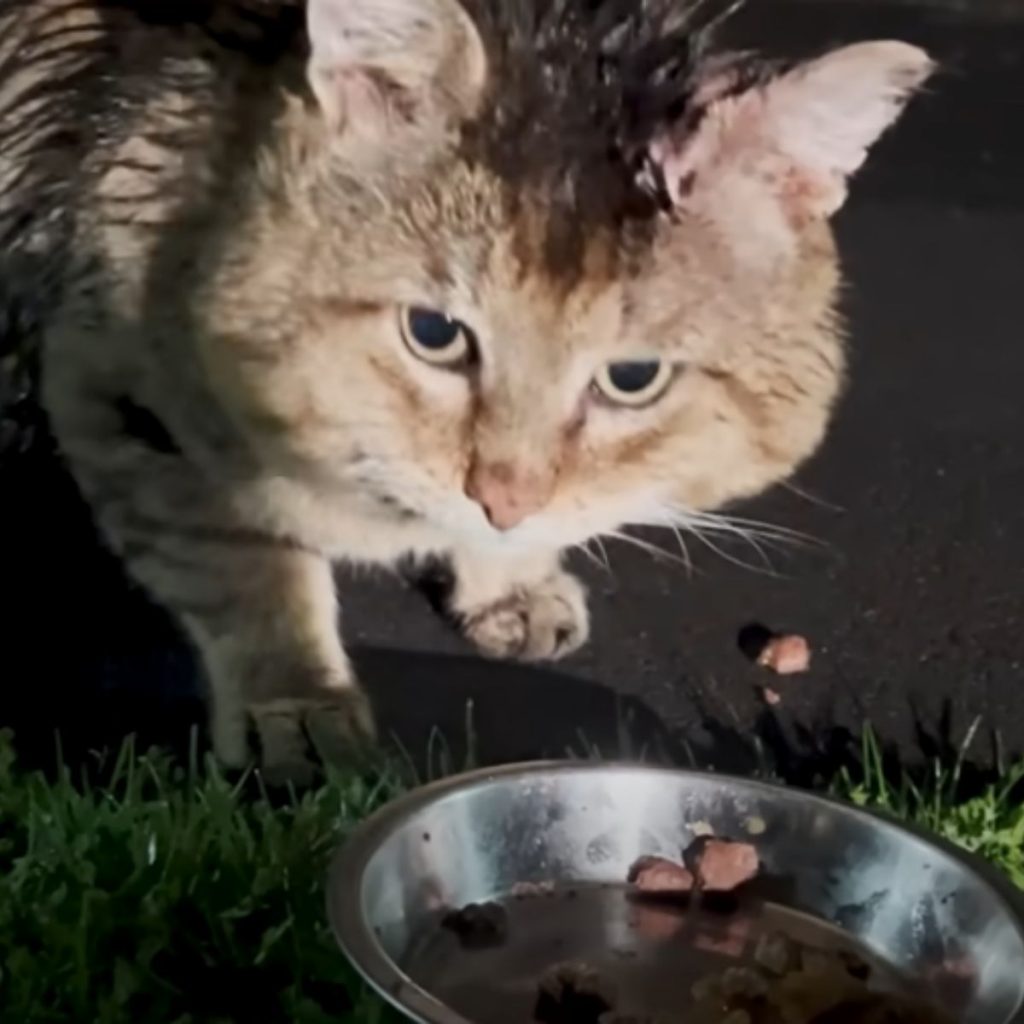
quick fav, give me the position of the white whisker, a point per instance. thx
(748, 527)
(813, 499)
(678, 533)
(705, 526)
(584, 549)
(756, 540)
(651, 549)
(604, 554)
(748, 530)
(767, 570)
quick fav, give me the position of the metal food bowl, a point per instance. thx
(931, 920)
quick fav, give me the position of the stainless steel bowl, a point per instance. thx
(931, 917)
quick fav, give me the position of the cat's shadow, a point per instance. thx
(441, 713)
(86, 655)
(449, 711)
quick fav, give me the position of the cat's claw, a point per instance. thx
(542, 622)
(297, 736)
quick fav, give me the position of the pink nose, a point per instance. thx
(507, 494)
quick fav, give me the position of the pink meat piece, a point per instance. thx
(786, 655)
(722, 865)
(658, 875)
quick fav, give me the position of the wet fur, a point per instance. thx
(212, 276)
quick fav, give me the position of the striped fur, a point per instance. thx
(208, 273)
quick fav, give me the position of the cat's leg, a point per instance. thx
(267, 630)
(518, 606)
(261, 609)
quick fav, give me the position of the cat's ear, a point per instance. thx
(378, 67)
(794, 140)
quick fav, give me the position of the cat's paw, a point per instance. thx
(297, 736)
(540, 622)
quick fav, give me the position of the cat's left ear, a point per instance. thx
(790, 144)
(383, 68)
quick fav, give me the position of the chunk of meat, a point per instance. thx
(786, 655)
(721, 865)
(658, 875)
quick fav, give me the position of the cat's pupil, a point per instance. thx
(630, 378)
(433, 330)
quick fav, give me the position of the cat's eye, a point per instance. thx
(437, 338)
(633, 384)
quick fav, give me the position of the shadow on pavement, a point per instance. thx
(85, 655)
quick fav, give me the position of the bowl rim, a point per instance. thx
(360, 945)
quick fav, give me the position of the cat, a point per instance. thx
(369, 280)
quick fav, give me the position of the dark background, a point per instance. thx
(912, 593)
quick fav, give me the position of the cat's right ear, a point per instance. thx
(384, 69)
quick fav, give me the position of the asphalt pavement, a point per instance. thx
(910, 589)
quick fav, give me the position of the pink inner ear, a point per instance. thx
(377, 64)
(802, 134)
(347, 96)
(827, 114)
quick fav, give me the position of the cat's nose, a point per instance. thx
(508, 494)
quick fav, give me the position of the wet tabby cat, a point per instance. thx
(379, 278)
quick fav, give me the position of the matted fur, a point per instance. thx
(210, 225)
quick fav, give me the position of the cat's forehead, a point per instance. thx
(467, 237)
(563, 288)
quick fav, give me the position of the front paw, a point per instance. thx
(540, 622)
(296, 735)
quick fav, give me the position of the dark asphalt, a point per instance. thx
(913, 595)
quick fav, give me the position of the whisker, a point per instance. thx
(756, 540)
(678, 533)
(750, 531)
(651, 549)
(811, 498)
(591, 556)
(767, 570)
(604, 554)
(585, 550)
(760, 536)
(744, 527)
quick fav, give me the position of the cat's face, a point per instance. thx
(449, 340)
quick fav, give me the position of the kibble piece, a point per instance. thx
(743, 983)
(856, 966)
(737, 1017)
(573, 993)
(634, 1018)
(478, 925)
(776, 953)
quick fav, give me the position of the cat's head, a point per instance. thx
(533, 271)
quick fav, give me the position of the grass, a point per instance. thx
(168, 894)
(171, 895)
(989, 823)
